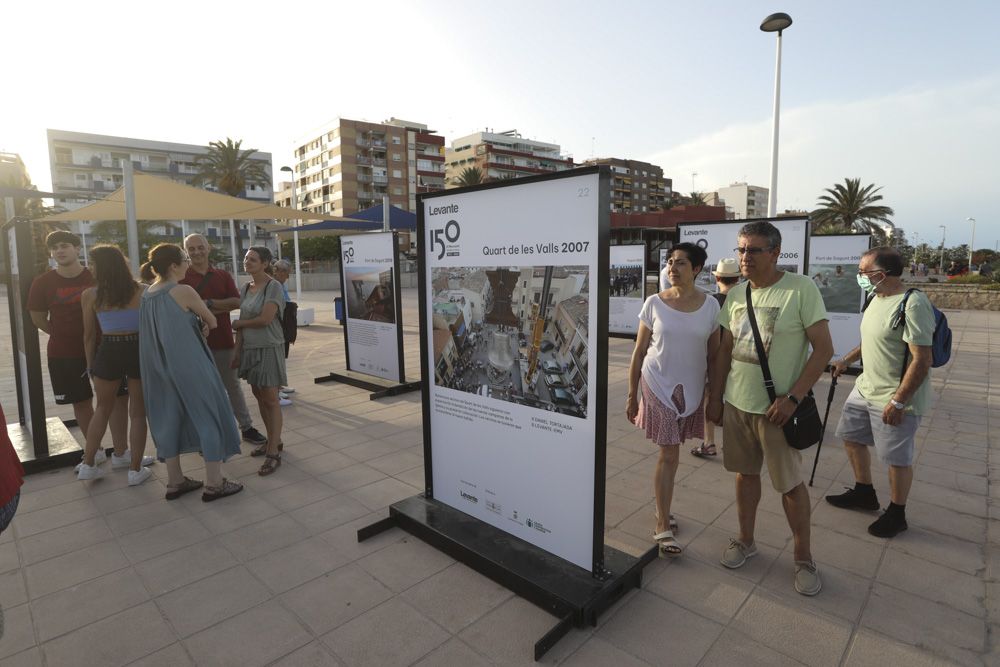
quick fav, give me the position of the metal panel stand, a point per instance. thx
(379, 388)
(572, 594)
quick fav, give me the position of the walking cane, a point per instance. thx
(826, 417)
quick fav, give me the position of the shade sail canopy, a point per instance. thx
(398, 218)
(329, 227)
(163, 199)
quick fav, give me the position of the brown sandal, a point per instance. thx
(227, 488)
(704, 450)
(187, 486)
(271, 463)
(262, 450)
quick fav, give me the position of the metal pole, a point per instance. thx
(972, 244)
(295, 242)
(131, 226)
(232, 249)
(772, 198)
(941, 266)
(8, 205)
(185, 228)
(385, 213)
(83, 242)
(251, 232)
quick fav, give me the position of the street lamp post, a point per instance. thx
(775, 23)
(972, 243)
(295, 241)
(941, 266)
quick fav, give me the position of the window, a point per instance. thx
(397, 191)
(395, 141)
(396, 157)
(396, 173)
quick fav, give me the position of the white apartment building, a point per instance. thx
(90, 166)
(501, 155)
(745, 201)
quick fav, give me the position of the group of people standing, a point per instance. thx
(164, 351)
(696, 363)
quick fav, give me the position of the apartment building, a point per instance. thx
(502, 155)
(90, 167)
(636, 187)
(352, 164)
(13, 173)
(745, 201)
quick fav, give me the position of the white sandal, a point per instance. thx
(669, 546)
(672, 524)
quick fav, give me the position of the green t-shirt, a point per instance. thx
(882, 348)
(784, 311)
(251, 306)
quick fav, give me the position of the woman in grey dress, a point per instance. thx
(186, 403)
(260, 349)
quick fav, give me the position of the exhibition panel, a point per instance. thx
(626, 283)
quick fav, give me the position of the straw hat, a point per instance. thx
(727, 268)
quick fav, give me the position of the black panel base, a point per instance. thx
(573, 595)
(380, 388)
(63, 449)
(612, 334)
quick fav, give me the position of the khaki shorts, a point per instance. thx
(750, 439)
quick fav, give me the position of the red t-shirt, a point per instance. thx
(215, 284)
(11, 472)
(60, 298)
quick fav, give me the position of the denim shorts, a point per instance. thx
(117, 357)
(861, 423)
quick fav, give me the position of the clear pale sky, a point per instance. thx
(902, 94)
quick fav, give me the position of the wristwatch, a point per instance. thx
(792, 398)
(208, 302)
(896, 404)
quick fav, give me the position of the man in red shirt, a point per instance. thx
(54, 305)
(219, 292)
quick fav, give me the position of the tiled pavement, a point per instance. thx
(102, 574)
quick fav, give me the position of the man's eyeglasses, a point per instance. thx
(752, 250)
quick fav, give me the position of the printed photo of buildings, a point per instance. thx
(369, 292)
(514, 333)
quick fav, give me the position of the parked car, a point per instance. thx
(551, 367)
(546, 346)
(553, 380)
(562, 397)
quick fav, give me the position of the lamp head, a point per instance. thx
(288, 169)
(776, 22)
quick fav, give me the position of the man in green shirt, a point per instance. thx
(791, 317)
(885, 407)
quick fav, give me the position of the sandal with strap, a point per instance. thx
(227, 488)
(187, 486)
(703, 450)
(669, 546)
(672, 524)
(271, 463)
(262, 450)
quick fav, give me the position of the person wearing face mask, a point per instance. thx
(893, 391)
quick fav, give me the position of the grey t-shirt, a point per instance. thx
(250, 307)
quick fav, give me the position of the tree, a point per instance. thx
(317, 248)
(851, 208)
(229, 168)
(470, 176)
(113, 232)
(32, 208)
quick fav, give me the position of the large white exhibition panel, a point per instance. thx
(527, 469)
(627, 294)
(833, 265)
(370, 302)
(719, 240)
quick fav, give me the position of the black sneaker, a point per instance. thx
(254, 437)
(855, 499)
(888, 525)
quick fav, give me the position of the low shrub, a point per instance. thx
(971, 279)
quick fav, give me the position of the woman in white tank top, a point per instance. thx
(673, 351)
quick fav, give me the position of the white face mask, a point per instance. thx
(867, 285)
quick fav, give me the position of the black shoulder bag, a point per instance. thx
(804, 428)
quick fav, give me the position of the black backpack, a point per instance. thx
(289, 318)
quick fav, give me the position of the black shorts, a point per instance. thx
(70, 383)
(117, 358)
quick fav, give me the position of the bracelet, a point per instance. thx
(896, 404)
(792, 398)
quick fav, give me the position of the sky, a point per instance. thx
(904, 95)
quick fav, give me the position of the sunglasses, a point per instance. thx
(752, 250)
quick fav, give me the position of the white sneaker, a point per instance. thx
(282, 394)
(86, 472)
(99, 458)
(283, 402)
(125, 460)
(288, 390)
(137, 477)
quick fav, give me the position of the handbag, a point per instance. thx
(804, 428)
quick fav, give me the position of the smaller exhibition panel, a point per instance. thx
(626, 284)
(833, 266)
(370, 288)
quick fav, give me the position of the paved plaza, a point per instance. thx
(102, 574)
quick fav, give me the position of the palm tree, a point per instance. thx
(470, 176)
(230, 169)
(851, 208)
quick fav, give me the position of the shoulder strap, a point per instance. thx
(246, 290)
(761, 354)
(204, 280)
(901, 316)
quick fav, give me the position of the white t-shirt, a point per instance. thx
(678, 350)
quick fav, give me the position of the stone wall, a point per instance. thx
(962, 297)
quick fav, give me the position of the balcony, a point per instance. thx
(364, 178)
(380, 180)
(379, 162)
(365, 161)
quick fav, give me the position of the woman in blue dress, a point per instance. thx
(186, 403)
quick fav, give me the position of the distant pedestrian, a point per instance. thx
(884, 409)
(675, 345)
(260, 349)
(186, 402)
(111, 310)
(282, 271)
(218, 290)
